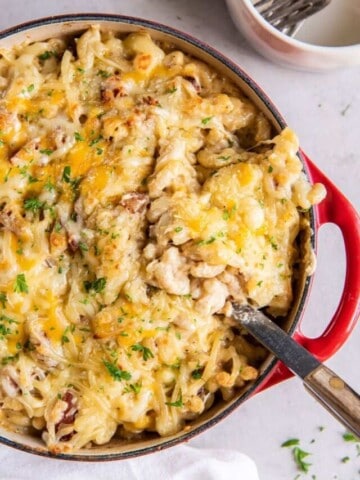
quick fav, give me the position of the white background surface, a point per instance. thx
(324, 111)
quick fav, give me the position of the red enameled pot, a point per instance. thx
(334, 209)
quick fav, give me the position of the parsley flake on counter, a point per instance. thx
(350, 437)
(20, 284)
(116, 372)
(291, 442)
(299, 456)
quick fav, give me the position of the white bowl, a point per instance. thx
(327, 40)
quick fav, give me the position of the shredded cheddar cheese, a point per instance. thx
(141, 193)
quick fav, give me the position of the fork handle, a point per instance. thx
(336, 396)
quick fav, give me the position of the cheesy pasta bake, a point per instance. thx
(140, 193)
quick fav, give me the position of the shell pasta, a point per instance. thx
(140, 193)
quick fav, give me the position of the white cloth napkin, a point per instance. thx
(178, 463)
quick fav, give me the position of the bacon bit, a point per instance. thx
(134, 202)
(112, 88)
(194, 82)
(150, 100)
(73, 243)
(69, 414)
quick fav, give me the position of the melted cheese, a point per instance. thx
(131, 214)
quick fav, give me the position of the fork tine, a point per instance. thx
(285, 14)
(294, 17)
(261, 3)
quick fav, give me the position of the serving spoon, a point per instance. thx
(327, 387)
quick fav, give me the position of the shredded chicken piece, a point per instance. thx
(204, 270)
(9, 381)
(170, 273)
(213, 298)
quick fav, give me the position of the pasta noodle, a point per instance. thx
(140, 192)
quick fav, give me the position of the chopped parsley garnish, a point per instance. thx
(33, 205)
(78, 137)
(3, 299)
(99, 151)
(64, 337)
(116, 372)
(46, 55)
(178, 229)
(46, 151)
(49, 186)
(66, 178)
(178, 403)
(97, 285)
(20, 285)
(206, 242)
(299, 456)
(345, 459)
(10, 358)
(135, 387)
(259, 283)
(4, 331)
(196, 374)
(273, 243)
(270, 169)
(225, 159)
(171, 90)
(5, 318)
(228, 213)
(206, 120)
(32, 179)
(104, 74)
(6, 178)
(30, 88)
(350, 437)
(146, 352)
(95, 140)
(291, 442)
(83, 247)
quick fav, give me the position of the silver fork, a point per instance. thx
(288, 15)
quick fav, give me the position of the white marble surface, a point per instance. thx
(324, 110)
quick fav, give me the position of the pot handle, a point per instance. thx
(335, 208)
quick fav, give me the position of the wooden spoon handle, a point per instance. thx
(336, 396)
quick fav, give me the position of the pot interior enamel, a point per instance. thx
(71, 25)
